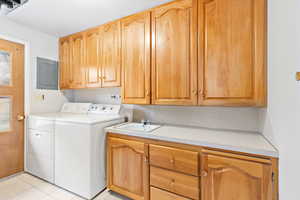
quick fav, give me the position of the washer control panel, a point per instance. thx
(104, 109)
(79, 108)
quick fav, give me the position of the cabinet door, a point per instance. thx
(227, 178)
(136, 59)
(111, 54)
(65, 63)
(128, 169)
(232, 52)
(78, 61)
(93, 69)
(174, 53)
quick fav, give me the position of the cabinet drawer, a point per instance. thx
(175, 159)
(156, 194)
(177, 183)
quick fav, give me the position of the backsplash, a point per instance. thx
(245, 119)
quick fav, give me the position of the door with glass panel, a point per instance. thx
(11, 108)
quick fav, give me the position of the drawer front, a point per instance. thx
(41, 124)
(157, 194)
(40, 143)
(177, 183)
(175, 159)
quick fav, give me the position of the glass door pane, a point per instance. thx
(5, 68)
(5, 114)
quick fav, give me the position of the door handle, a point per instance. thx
(20, 117)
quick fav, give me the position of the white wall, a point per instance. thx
(37, 44)
(99, 95)
(280, 121)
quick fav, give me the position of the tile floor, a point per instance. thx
(27, 187)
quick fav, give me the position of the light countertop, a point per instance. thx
(247, 142)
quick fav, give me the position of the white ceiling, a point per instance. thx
(63, 17)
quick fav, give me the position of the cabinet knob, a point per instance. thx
(147, 93)
(172, 160)
(146, 159)
(195, 92)
(204, 173)
(172, 182)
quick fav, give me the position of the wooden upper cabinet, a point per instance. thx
(65, 63)
(136, 59)
(78, 60)
(128, 171)
(174, 53)
(92, 67)
(232, 51)
(110, 54)
(235, 178)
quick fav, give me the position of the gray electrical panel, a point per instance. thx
(47, 74)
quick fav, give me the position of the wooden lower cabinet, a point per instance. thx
(127, 168)
(144, 169)
(228, 177)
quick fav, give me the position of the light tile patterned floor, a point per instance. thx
(27, 187)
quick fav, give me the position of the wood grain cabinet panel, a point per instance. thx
(110, 54)
(93, 68)
(174, 182)
(78, 60)
(174, 53)
(227, 178)
(136, 59)
(232, 52)
(127, 167)
(174, 159)
(65, 63)
(158, 194)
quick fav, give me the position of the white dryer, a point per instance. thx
(40, 139)
(79, 145)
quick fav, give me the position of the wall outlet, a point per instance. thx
(40, 97)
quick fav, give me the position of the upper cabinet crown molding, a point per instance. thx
(185, 52)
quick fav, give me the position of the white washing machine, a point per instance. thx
(77, 148)
(80, 150)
